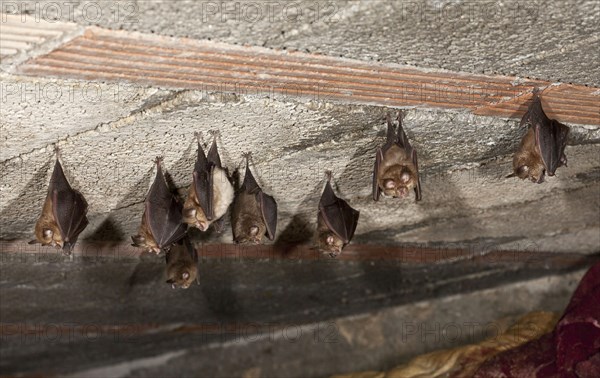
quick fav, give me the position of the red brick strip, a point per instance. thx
(119, 56)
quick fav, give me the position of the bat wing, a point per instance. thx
(250, 185)
(203, 182)
(418, 185)
(391, 139)
(163, 213)
(404, 143)
(213, 155)
(68, 205)
(535, 113)
(268, 209)
(339, 217)
(190, 248)
(376, 189)
(551, 138)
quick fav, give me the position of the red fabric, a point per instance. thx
(571, 350)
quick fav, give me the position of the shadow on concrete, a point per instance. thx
(217, 285)
(32, 192)
(300, 230)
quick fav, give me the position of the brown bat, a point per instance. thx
(396, 169)
(182, 264)
(336, 222)
(63, 216)
(254, 212)
(542, 149)
(211, 192)
(162, 219)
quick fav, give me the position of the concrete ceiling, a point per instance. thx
(111, 127)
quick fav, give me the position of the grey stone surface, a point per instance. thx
(116, 317)
(463, 160)
(556, 41)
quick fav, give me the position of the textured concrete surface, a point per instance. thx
(557, 41)
(258, 317)
(99, 317)
(463, 161)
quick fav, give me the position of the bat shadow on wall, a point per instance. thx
(217, 279)
(35, 191)
(300, 230)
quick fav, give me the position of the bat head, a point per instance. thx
(530, 169)
(181, 275)
(251, 231)
(147, 244)
(398, 181)
(194, 217)
(45, 236)
(330, 244)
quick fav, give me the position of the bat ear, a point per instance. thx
(185, 275)
(189, 213)
(137, 240)
(511, 175)
(169, 281)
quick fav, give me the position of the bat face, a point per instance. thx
(193, 214)
(328, 242)
(211, 192)
(182, 265)
(254, 212)
(63, 215)
(162, 221)
(396, 170)
(47, 232)
(398, 180)
(336, 222)
(542, 148)
(527, 162)
(248, 224)
(144, 239)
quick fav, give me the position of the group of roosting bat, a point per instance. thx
(254, 215)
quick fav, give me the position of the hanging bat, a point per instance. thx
(63, 216)
(254, 212)
(182, 264)
(162, 219)
(336, 222)
(211, 192)
(396, 169)
(542, 149)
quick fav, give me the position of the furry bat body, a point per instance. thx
(254, 212)
(396, 170)
(336, 222)
(162, 220)
(182, 265)
(211, 192)
(63, 215)
(542, 149)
